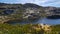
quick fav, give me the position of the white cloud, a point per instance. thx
(39, 2)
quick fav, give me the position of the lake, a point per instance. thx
(49, 21)
(43, 20)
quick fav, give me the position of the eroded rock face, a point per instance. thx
(52, 11)
(31, 12)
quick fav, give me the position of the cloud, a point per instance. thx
(38, 2)
(55, 3)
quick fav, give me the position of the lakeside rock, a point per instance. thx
(26, 11)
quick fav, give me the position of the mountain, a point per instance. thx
(2, 4)
(31, 5)
(17, 7)
(23, 11)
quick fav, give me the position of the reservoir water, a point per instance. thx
(43, 20)
(49, 21)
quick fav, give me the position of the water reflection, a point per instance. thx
(49, 21)
(43, 20)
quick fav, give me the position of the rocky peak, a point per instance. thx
(31, 5)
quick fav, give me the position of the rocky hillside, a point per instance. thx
(25, 11)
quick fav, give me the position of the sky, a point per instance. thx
(55, 3)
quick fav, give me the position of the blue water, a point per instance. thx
(49, 21)
(43, 20)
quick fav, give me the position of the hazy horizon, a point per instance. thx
(55, 3)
